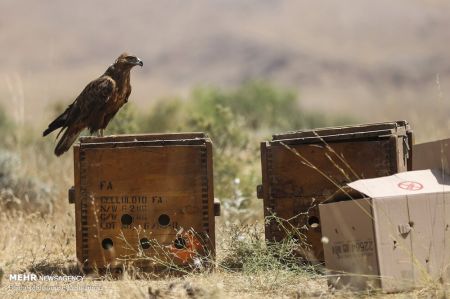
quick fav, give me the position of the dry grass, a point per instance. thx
(246, 267)
(46, 245)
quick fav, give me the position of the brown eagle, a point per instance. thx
(97, 103)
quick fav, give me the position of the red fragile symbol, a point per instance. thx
(411, 186)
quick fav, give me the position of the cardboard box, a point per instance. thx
(432, 155)
(396, 238)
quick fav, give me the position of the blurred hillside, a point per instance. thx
(376, 60)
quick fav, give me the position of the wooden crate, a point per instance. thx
(145, 199)
(302, 169)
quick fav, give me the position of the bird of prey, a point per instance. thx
(97, 103)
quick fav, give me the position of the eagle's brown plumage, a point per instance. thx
(97, 103)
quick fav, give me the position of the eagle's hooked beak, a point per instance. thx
(139, 62)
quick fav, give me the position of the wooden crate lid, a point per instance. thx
(195, 138)
(363, 131)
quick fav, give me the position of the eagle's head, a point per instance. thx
(128, 61)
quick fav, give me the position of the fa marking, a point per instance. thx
(105, 185)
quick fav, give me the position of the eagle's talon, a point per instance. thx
(100, 133)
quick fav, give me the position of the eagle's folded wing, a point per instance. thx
(94, 97)
(85, 111)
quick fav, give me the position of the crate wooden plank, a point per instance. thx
(208, 198)
(142, 137)
(143, 143)
(362, 136)
(376, 129)
(78, 232)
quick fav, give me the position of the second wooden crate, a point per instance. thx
(305, 168)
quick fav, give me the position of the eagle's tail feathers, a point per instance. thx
(59, 133)
(66, 141)
(53, 126)
(59, 122)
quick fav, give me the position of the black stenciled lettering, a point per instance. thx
(336, 249)
(139, 199)
(141, 217)
(345, 248)
(107, 216)
(369, 246)
(109, 199)
(107, 225)
(141, 208)
(157, 199)
(361, 246)
(105, 185)
(358, 246)
(365, 246)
